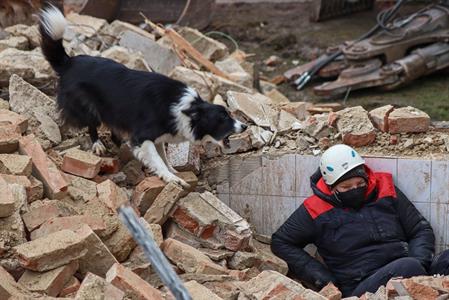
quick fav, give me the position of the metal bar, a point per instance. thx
(153, 253)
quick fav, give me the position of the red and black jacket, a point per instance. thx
(353, 243)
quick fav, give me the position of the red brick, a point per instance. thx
(33, 187)
(72, 286)
(7, 200)
(176, 233)
(121, 243)
(95, 287)
(9, 287)
(55, 185)
(298, 109)
(50, 282)
(420, 291)
(331, 292)
(35, 217)
(109, 165)
(235, 241)
(184, 157)
(81, 163)
(408, 119)
(9, 138)
(379, 117)
(111, 194)
(355, 126)
(394, 139)
(70, 223)
(50, 252)
(200, 292)
(190, 259)
(131, 283)
(8, 117)
(146, 192)
(98, 258)
(159, 211)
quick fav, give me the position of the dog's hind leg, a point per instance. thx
(97, 146)
(163, 154)
(150, 158)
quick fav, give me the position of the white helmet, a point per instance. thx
(337, 161)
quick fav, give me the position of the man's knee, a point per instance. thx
(440, 264)
(406, 267)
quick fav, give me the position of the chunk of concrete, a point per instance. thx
(239, 143)
(7, 200)
(379, 117)
(277, 97)
(8, 117)
(9, 138)
(17, 42)
(184, 157)
(200, 292)
(9, 287)
(85, 25)
(50, 252)
(30, 32)
(159, 211)
(14, 164)
(355, 126)
(259, 136)
(408, 119)
(297, 109)
(211, 49)
(133, 60)
(94, 287)
(235, 71)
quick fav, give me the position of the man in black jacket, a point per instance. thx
(365, 229)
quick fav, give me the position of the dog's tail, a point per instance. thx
(52, 26)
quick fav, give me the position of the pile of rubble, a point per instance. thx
(60, 235)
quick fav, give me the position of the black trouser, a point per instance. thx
(402, 267)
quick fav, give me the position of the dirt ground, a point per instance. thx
(284, 30)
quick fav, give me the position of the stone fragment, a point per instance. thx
(133, 60)
(8, 117)
(52, 251)
(14, 164)
(190, 259)
(133, 172)
(211, 49)
(30, 32)
(238, 143)
(43, 168)
(379, 117)
(9, 138)
(259, 136)
(47, 129)
(184, 157)
(408, 119)
(331, 292)
(355, 126)
(235, 71)
(297, 109)
(285, 123)
(9, 287)
(94, 287)
(121, 243)
(218, 100)
(98, 259)
(81, 189)
(174, 232)
(8, 203)
(81, 163)
(159, 211)
(131, 283)
(161, 59)
(278, 98)
(71, 287)
(85, 25)
(50, 282)
(17, 42)
(117, 28)
(111, 194)
(200, 292)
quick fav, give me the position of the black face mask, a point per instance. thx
(353, 198)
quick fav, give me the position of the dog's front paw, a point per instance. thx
(173, 178)
(98, 148)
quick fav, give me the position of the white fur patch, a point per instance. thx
(238, 126)
(54, 22)
(98, 148)
(183, 122)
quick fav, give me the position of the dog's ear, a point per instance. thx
(193, 112)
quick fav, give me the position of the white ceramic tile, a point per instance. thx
(438, 219)
(414, 179)
(225, 198)
(440, 182)
(245, 176)
(251, 208)
(248, 185)
(388, 165)
(306, 165)
(278, 176)
(277, 210)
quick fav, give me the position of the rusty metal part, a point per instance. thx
(326, 9)
(429, 25)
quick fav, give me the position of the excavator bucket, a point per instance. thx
(327, 9)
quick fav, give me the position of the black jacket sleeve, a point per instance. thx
(419, 233)
(288, 243)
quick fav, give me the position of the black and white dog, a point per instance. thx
(148, 109)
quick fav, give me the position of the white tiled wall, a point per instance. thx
(269, 194)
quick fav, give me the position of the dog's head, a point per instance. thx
(211, 122)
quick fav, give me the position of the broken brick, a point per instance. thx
(159, 211)
(408, 119)
(190, 259)
(9, 138)
(109, 165)
(121, 243)
(7, 200)
(52, 251)
(34, 188)
(111, 194)
(81, 163)
(297, 109)
(8, 117)
(71, 287)
(9, 287)
(133, 172)
(50, 282)
(184, 157)
(131, 283)
(355, 126)
(69, 223)
(54, 184)
(420, 291)
(14, 164)
(146, 192)
(98, 258)
(155, 231)
(331, 292)
(239, 143)
(208, 218)
(35, 217)
(277, 97)
(173, 231)
(379, 117)
(94, 287)
(200, 292)
(81, 189)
